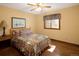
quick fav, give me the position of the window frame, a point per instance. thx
(53, 15)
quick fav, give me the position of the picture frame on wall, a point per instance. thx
(18, 22)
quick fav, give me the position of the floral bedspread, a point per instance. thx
(32, 44)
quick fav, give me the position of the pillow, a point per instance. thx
(16, 33)
(26, 32)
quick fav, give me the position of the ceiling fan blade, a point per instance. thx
(31, 4)
(33, 9)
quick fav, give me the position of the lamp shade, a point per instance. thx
(3, 24)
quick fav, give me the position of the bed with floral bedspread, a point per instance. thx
(32, 44)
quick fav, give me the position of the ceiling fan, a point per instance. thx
(38, 5)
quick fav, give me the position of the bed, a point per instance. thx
(29, 43)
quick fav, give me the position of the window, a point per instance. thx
(52, 21)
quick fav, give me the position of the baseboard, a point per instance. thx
(65, 42)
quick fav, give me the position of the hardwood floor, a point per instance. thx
(60, 49)
(9, 51)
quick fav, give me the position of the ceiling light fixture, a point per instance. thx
(38, 9)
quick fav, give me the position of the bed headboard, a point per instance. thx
(18, 32)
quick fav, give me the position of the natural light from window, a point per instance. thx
(52, 48)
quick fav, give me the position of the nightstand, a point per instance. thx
(5, 41)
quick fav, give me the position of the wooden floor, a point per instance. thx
(9, 51)
(60, 49)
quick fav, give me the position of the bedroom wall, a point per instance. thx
(69, 31)
(6, 14)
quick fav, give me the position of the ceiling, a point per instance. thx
(26, 8)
